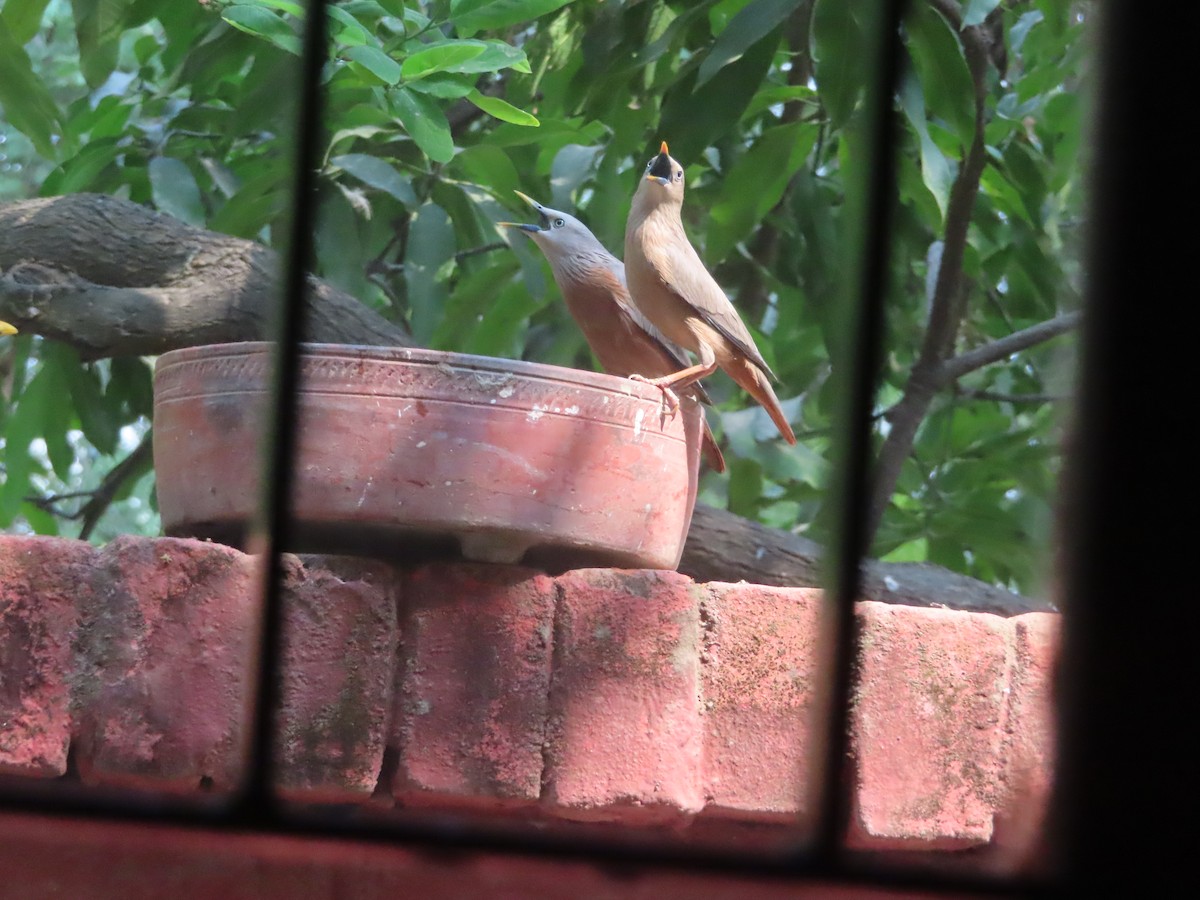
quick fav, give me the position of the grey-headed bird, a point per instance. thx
(592, 283)
(672, 287)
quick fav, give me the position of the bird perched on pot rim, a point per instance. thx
(674, 290)
(592, 282)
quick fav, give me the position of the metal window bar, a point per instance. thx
(1099, 817)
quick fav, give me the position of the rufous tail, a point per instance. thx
(755, 382)
(712, 452)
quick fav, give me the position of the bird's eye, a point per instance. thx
(559, 223)
(649, 164)
(679, 174)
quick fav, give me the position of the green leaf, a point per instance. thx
(935, 170)
(26, 103)
(464, 57)
(378, 174)
(56, 416)
(752, 23)
(693, 118)
(351, 31)
(39, 520)
(473, 297)
(572, 166)
(82, 172)
(756, 182)
(131, 381)
(505, 324)
(375, 61)
(502, 109)
(745, 485)
(98, 26)
(912, 551)
(95, 416)
(287, 6)
(174, 190)
(942, 69)
(837, 42)
(448, 56)
(496, 55)
(444, 86)
(23, 18)
(24, 425)
(425, 123)
(1019, 32)
(977, 11)
(259, 22)
(490, 166)
(430, 244)
(471, 16)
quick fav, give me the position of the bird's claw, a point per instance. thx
(670, 402)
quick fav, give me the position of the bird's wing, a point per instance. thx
(682, 271)
(672, 350)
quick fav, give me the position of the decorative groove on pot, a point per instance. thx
(410, 452)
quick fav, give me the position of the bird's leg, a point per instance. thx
(670, 400)
(684, 377)
(668, 384)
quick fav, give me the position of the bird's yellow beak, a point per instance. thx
(528, 199)
(663, 149)
(5, 328)
(529, 228)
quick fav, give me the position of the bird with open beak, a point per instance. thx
(592, 283)
(672, 287)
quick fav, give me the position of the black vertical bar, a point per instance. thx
(257, 802)
(831, 797)
(1128, 746)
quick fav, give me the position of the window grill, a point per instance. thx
(1102, 811)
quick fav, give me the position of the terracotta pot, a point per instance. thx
(416, 453)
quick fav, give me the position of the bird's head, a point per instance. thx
(560, 235)
(665, 173)
(661, 184)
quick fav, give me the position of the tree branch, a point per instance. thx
(113, 278)
(101, 497)
(998, 397)
(946, 310)
(722, 546)
(955, 368)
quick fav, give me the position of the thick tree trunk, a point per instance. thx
(722, 546)
(113, 278)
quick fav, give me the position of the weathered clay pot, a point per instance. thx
(413, 453)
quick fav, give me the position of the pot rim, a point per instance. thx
(421, 356)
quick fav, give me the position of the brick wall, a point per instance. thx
(601, 699)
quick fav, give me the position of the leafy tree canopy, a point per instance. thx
(438, 111)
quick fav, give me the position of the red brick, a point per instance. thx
(40, 581)
(471, 710)
(928, 726)
(340, 639)
(52, 858)
(166, 648)
(1030, 741)
(625, 733)
(759, 661)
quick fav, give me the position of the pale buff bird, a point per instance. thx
(592, 283)
(674, 290)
